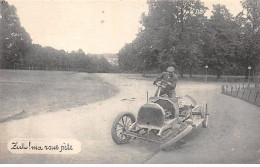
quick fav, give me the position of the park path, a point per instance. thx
(232, 137)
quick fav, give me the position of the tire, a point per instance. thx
(122, 123)
(205, 116)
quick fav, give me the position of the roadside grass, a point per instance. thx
(25, 93)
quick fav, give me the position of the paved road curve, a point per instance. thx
(232, 137)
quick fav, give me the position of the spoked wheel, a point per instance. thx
(121, 124)
(205, 116)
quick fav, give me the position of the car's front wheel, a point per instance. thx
(120, 125)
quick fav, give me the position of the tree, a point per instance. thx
(15, 41)
(170, 35)
(126, 58)
(249, 21)
(191, 21)
(221, 40)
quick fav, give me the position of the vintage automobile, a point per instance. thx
(162, 120)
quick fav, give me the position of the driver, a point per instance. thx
(171, 80)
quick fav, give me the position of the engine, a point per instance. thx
(151, 114)
(168, 107)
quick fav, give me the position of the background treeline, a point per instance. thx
(177, 32)
(18, 52)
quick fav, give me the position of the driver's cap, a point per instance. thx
(171, 69)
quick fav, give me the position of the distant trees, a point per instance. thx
(18, 52)
(178, 33)
(48, 58)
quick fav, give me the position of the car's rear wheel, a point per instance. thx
(120, 125)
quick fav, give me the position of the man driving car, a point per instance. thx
(171, 80)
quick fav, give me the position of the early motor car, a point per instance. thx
(162, 120)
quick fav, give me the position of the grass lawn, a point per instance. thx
(24, 93)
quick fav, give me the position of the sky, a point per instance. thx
(95, 26)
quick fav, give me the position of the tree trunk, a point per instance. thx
(190, 71)
(246, 74)
(218, 74)
(181, 72)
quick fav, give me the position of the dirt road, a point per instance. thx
(232, 137)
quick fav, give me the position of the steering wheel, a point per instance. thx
(161, 83)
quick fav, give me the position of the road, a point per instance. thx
(232, 136)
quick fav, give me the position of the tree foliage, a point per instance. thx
(221, 40)
(249, 23)
(15, 41)
(178, 33)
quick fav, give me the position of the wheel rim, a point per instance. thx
(122, 126)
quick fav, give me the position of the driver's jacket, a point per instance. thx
(173, 80)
